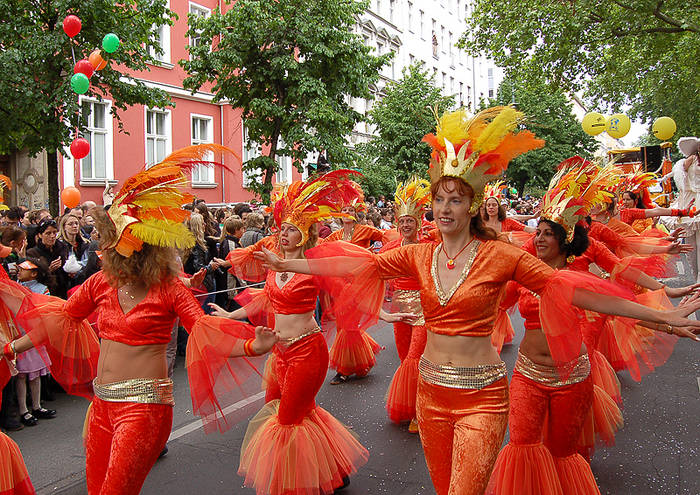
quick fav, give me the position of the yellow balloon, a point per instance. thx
(593, 123)
(618, 125)
(664, 128)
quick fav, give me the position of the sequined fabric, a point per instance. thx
(408, 301)
(122, 444)
(576, 371)
(462, 431)
(140, 390)
(462, 377)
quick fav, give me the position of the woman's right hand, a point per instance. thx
(219, 311)
(55, 265)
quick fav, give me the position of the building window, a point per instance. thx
(442, 38)
(379, 7)
(391, 10)
(490, 83)
(284, 165)
(444, 82)
(410, 16)
(97, 165)
(461, 94)
(158, 136)
(422, 22)
(250, 152)
(449, 48)
(202, 129)
(197, 11)
(161, 38)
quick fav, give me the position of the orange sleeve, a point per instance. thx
(532, 273)
(245, 266)
(399, 262)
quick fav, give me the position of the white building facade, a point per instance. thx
(424, 31)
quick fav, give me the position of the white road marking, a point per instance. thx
(196, 425)
(699, 383)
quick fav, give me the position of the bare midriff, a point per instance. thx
(458, 350)
(120, 361)
(534, 347)
(294, 325)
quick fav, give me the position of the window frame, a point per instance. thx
(168, 134)
(189, 13)
(109, 145)
(211, 172)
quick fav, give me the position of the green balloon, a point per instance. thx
(110, 42)
(79, 83)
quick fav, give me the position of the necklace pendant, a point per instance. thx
(284, 276)
(450, 264)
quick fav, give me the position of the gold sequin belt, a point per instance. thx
(474, 377)
(408, 301)
(139, 390)
(292, 340)
(578, 370)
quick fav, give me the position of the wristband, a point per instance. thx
(248, 348)
(9, 351)
(675, 212)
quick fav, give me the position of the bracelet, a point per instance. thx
(9, 351)
(248, 348)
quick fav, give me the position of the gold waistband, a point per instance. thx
(476, 377)
(408, 301)
(288, 342)
(139, 390)
(578, 370)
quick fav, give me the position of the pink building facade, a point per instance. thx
(155, 132)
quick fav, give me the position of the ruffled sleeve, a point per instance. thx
(358, 297)
(216, 379)
(58, 325)
(245, 266)
(511, 225)
(258, 307)
(629, 215)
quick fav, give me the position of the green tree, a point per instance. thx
(402, 117)
(38, 108)
(290, 66)
(637, 53)
(550, 117)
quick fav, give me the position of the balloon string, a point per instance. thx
(72, 51)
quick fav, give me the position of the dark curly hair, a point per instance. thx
(578, 244)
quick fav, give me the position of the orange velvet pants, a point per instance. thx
(122, 444)
(462, 431)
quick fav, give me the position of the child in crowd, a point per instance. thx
(34, 274)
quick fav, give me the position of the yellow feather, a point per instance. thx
(504, 123)
(163, 233)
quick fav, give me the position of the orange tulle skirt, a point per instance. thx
(503, 332)
(353, 352)
(14, 478)
(401, 396)
(524, 469)
(309, 458)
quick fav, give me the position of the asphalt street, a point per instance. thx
(656, 451)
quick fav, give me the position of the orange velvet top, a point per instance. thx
(637, 218)
(469, 308)
(362, 235)
(621, 227)
(511, 225)
(149, 322)
(297, 296)
(601, 232)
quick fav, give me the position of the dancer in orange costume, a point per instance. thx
(353, 352)
(462, 403)
(137, 296)
(293, 446)
(494, 213)
(14, 478)
(549, 411)
(409, 202)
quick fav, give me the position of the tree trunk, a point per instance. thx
(52, 178)
(272, 166)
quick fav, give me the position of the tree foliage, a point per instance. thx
(290, 67)
(637, 53)
(402, 117)
(38, 108)
(550, 117)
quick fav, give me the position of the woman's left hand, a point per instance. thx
(681, 291)
(265, 339)
(269, 260)
(409, 318)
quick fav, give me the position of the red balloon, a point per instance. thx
(72, 25)
(79, 148)
(70, 197)
(85, 67)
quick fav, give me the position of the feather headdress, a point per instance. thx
(5, 183)
(638, 182)
(148, 208)
(494, 190)
(478, 149)
(303, 204)
(575, 189)
(410, 198)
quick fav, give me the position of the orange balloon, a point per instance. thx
(70, 197)
(96, 60)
